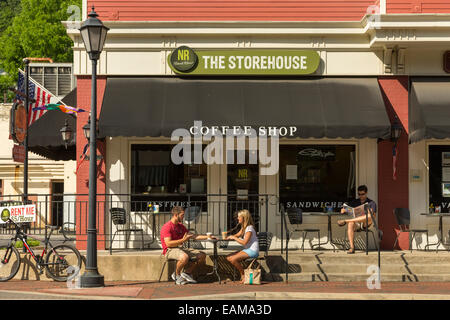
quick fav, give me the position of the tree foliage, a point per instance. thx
(8, 10)
(36, 31)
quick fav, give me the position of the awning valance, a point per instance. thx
(318, 107)
(429, 108)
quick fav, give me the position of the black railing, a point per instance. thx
(285, 231)
(206, 213)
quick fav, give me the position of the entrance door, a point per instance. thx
(243, 188)
(57, 203)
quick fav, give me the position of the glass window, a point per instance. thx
(316, 176)
(154, 177)
(439, 178)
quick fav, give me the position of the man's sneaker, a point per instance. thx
(174, 277)
(188, 277)
(180, 280)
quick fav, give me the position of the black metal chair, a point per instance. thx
(295, 216)
(359, 230)
(403, 217)
(119, 218)
(264, 242)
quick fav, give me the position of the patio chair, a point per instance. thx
(119, 218)
(295, 216)
(359, 230)
(264, 242)
(403, 217)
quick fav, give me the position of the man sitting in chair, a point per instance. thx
(358, 223)
(173, 235)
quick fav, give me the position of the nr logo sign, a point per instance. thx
(184, 59)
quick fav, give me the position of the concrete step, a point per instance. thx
(359, 277)
(361, 268)
(362, 258)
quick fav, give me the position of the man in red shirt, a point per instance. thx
(173, 235)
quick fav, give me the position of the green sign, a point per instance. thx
(5, 215)
(183, 59)
(243, 62)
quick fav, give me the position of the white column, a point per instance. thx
(382, 6)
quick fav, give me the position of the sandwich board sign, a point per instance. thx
(18, 214)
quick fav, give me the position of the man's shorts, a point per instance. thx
(177, 253)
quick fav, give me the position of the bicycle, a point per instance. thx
(61, 262)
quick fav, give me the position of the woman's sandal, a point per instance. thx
(341, 223)
(351, 251)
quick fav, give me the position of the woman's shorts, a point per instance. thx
(251, 253)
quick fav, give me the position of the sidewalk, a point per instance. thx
(233, 291)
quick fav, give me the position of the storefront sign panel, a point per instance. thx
(184, 60)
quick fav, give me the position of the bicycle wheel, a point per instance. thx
(9, 263)
(62, 261)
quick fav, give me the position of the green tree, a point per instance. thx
(8, 10)
(36, 31)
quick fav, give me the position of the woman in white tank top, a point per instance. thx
(246, 237)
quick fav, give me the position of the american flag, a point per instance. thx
(38, 93)
(394, 161)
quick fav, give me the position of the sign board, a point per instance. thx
(18, 122)
(18, 214)
(18, 153)
(185, 60)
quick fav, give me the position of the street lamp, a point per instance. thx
(66, 133)
(93, 33)
(87, 129)
(396, 131)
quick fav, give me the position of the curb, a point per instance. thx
(71, 296)
(266, 295)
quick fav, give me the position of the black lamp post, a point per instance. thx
(66, 133)
(93, 33)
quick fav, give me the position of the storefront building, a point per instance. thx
(259, 72)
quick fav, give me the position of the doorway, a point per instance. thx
(57, 196)
(242, 189)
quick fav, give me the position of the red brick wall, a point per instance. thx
(231, 10)
(417, 6)
(393, 194)
(84, 102)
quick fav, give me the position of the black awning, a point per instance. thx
(44, 135)
(429, 108)
(318, 107)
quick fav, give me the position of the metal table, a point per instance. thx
(441, 234)
(330, 234)
(215, 256)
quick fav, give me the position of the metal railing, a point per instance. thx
(207, 213)
(285, 231)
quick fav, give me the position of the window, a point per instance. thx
(439, 177)
(315, 176)
(154, 177)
